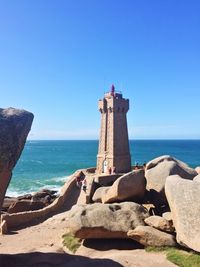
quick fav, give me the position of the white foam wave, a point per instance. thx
(12, 193)
(37, 161)
(38, 185)
(60, 179)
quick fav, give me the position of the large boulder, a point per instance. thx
(25, 205)
(154, 162)
(43, 195)
(105, 220)
(14, 127)
(183, 197)
(149, 236)
(160, 223)
(160, 168)
(130, 186)
(97, 197)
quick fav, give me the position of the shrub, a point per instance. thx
(71, 242)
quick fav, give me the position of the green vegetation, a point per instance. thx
(157, 249)
(71, 242)
(179, 257)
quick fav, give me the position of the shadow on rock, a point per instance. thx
(38, 259)
(107, 244)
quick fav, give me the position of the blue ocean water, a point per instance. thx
(47, 164)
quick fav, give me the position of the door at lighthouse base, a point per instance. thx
(105, 165)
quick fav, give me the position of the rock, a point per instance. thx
(197, 178)
(7, 202)
(167, 216)
(160, 168)
(49, 192)
(26, 196)
(130, 186)
(25, 205)
(184, 198)
(39, 195)
(149, 236)
(45, 195)
(197, 169)
(47, 200)
(159, 223)
(14, 127)
(97, 197)
(154, 162)
(105, 220)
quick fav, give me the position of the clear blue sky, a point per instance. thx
(57, 57)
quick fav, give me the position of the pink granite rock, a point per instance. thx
(15, 125)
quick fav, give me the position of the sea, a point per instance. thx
(48, 164)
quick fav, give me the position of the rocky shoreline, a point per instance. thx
(29, 202)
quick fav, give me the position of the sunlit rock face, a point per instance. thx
(183, 198)
(15, 125)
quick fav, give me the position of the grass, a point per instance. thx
(177, 256)
(71, 242)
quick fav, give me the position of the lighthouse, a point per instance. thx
(113, 151)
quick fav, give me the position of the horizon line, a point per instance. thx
(137, 139)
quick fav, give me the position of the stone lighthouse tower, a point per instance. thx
(113, 143)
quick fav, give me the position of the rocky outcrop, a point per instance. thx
(130, 186)
(14, 127)
(45, 195)
(28, 202)
(149, 236)
(184, 198)
(25, 205)
(154, 162)
(98, 194)
(160, 223)
(160, 168)
(105, 220)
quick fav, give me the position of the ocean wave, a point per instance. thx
(17, 193)
(31, 161)
(12, 193)
(59, 179)
(54, 183)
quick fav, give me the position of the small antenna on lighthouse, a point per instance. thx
(112, 90)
